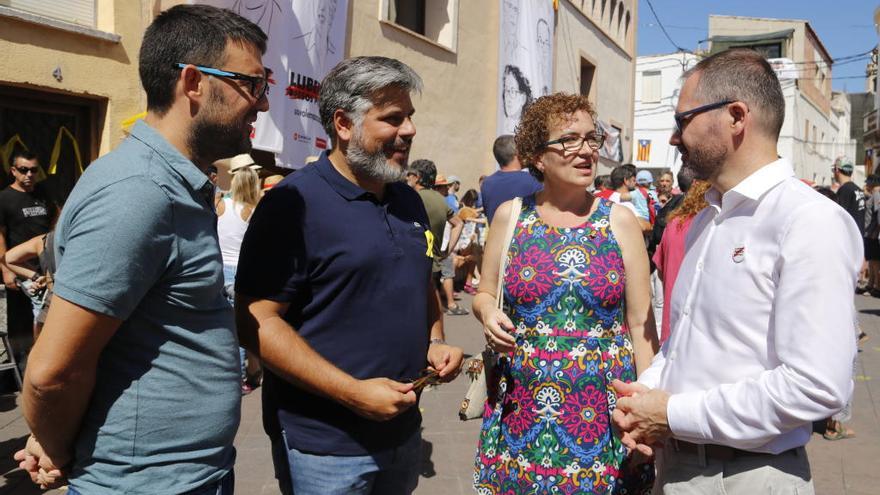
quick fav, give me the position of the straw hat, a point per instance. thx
(239, 162)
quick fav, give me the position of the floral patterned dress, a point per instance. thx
(547, 429)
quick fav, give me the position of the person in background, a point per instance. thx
(671, 248)
(832, 428)
(451, 197)
(849, 195)
(233, 214)
(241, 162)
(479, 203)
(602, 187)
(510, 181)
(468, 251)
(852, 199)
(439, 216)
(447, 242)
(645, 185)
(663, 198)
(623, 183)
(872, 232)
(26, 211)
(20, 260)
(660, 294)
(412, 178)
(212, 174)
(270, 182)
(665, 184)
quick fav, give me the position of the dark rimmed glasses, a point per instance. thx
(681, 118)
(574, 143)
(259, 86)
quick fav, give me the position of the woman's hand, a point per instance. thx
(498, 330)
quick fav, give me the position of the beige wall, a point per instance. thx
(801, 47)
(91, 67)
(613, 93)
(617, 21)
(819, 92)
(455, 115)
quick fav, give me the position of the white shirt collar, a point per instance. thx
(752, 187)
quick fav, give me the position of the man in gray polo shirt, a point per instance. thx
(133, 386)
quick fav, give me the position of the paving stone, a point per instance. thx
(842, 467)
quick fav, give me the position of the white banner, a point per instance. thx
(525, 58)
(306, 39)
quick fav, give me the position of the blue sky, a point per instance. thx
(844, 26)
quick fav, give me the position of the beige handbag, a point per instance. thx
(479, 368)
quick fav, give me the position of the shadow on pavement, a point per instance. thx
(427, 468)
(7, 402)
(16, 480)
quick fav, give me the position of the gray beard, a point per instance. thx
(373, 166)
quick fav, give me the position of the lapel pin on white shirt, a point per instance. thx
(739, 254)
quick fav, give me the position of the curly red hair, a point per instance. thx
(537, 120)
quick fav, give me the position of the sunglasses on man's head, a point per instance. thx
(27, 170)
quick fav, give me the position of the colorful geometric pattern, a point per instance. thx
(549, 429)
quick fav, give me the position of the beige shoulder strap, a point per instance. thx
(515, 209)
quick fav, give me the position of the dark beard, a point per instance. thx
(371, 165)
(705, 161)
(212, 139)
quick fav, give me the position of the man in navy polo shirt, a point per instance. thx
(333, 292)
(510, 181)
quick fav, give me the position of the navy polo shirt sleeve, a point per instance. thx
(111, 254)
(272, 262)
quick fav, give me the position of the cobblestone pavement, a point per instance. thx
(841, 467)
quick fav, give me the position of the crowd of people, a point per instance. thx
(648, 338)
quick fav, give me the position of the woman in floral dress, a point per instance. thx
(576, 316)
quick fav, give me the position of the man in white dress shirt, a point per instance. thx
(757, 348)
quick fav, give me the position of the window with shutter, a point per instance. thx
(81, 12)
(651, 86)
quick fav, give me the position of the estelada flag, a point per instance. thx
(644, 153)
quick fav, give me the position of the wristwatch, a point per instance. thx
(437, 341)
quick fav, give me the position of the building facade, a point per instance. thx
(870, 124)
(595, 55)
(68, 80)
(79, 57)
(455, 49)
(816, 130)
(658, 83)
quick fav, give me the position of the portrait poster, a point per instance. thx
(612, 149)
(306, 40)
(525, 58)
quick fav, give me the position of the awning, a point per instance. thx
(776, 35)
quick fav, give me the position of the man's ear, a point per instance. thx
(192, 84)
(738, 112)
(343, 125)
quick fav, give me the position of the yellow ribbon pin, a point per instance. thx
(430, 238)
